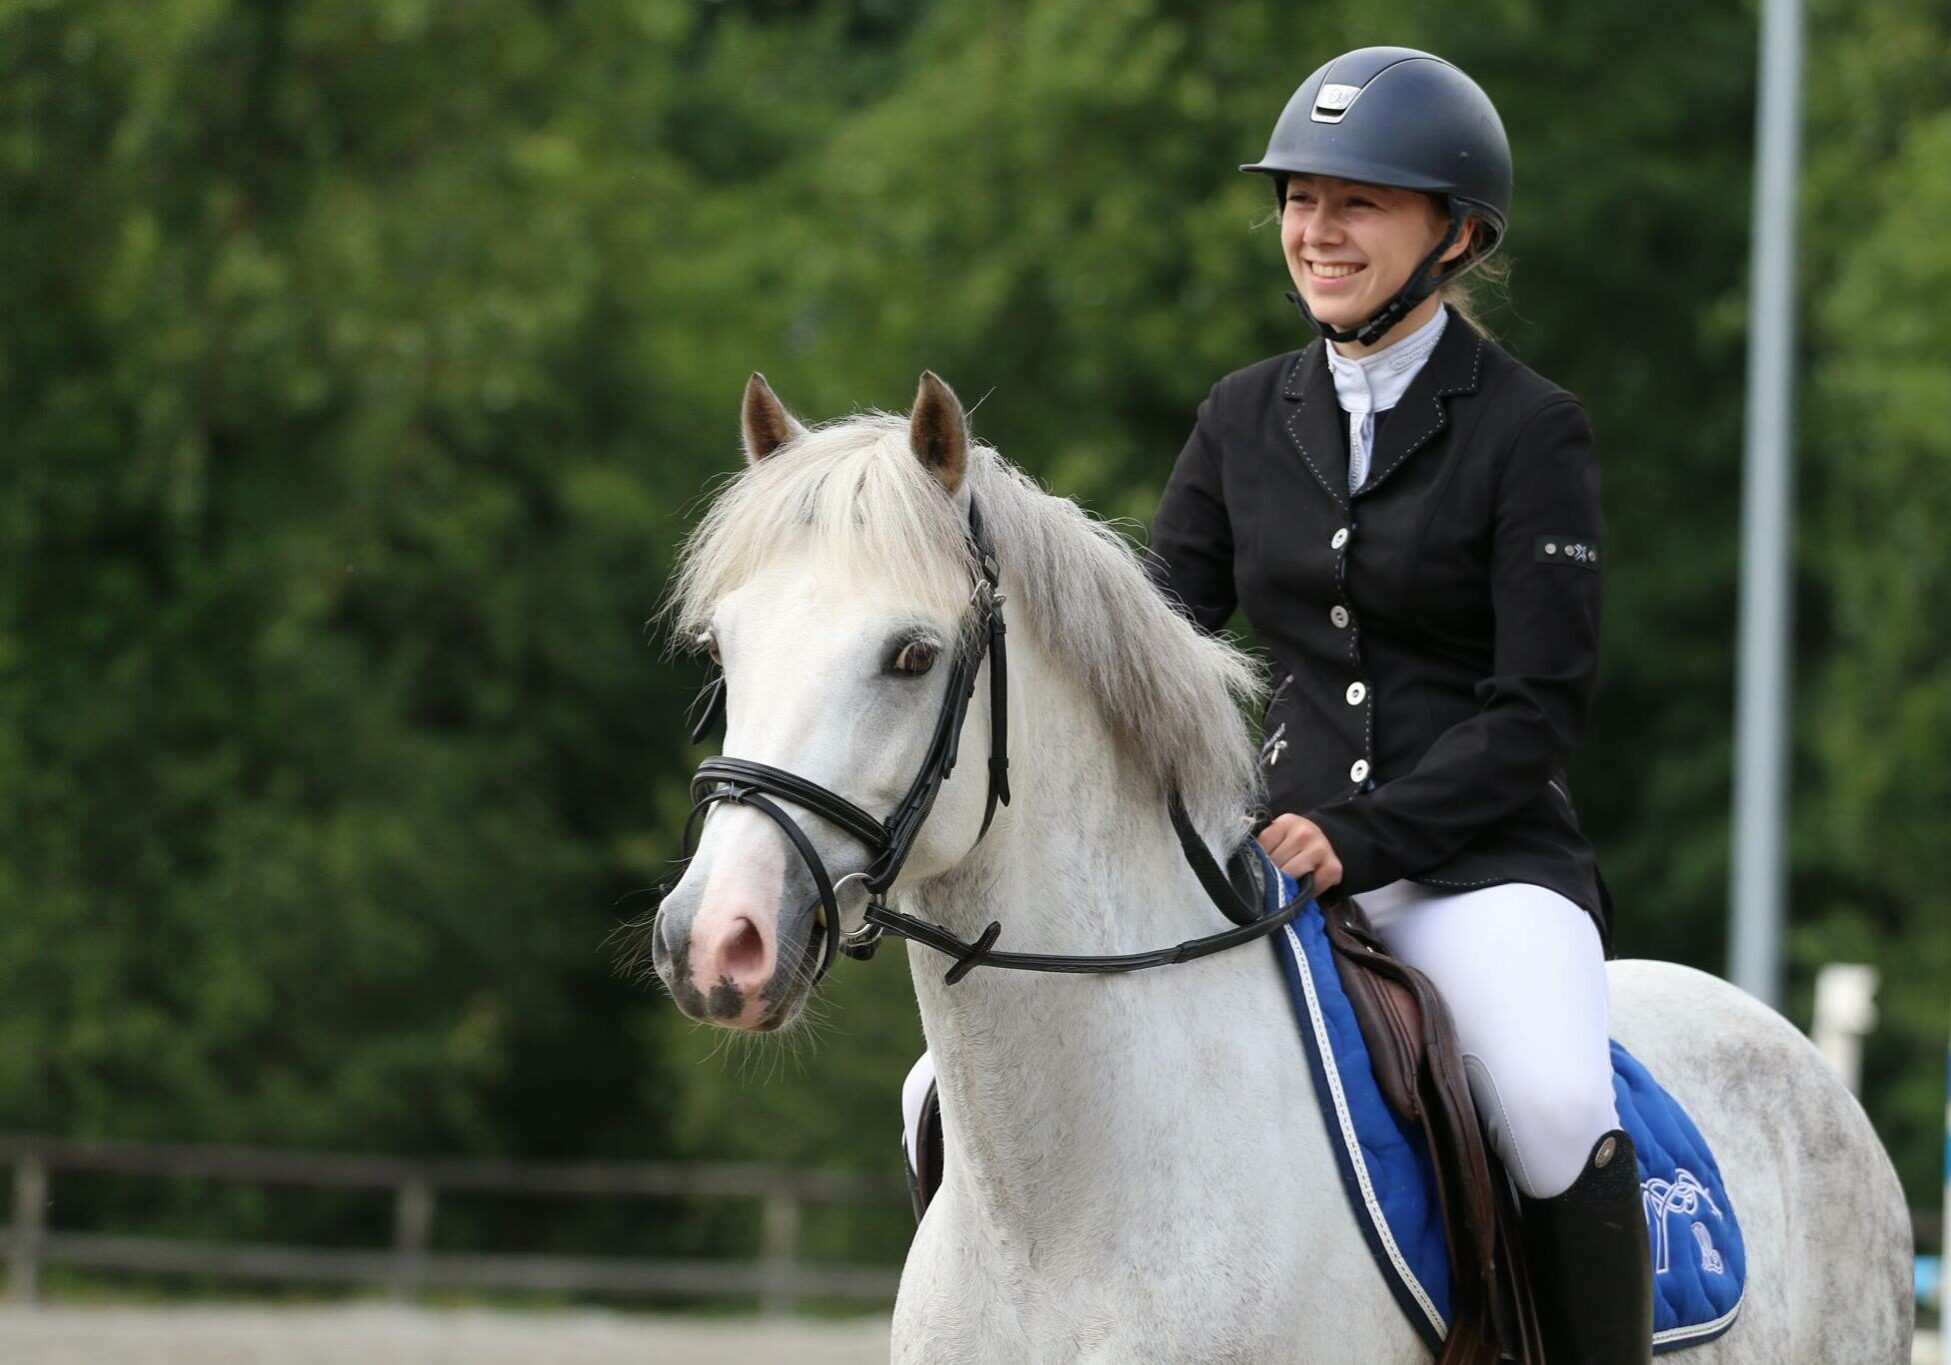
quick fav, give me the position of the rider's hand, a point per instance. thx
(1298, 847)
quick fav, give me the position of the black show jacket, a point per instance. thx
(1435, 635)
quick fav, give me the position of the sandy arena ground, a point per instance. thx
(386, 1335)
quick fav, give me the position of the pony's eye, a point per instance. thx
(915, 658)
(709, 644)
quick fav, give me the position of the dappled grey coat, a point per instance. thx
(1435, 635)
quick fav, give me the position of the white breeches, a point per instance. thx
(1523, 973)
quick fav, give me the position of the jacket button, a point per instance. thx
(1340, 539)
(1339, 615)
(1355, 693)
(1359, 770)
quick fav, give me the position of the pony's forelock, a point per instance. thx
(849, 490)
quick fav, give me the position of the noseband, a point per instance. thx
(889, 841)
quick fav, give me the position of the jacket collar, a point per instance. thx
(1315, 421)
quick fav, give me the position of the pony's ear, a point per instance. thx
(764, 419)
(938, 433)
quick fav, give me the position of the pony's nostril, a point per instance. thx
(745, 950)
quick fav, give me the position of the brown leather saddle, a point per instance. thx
(1418, 1064)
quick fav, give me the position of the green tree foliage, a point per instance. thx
(325, 559)
(362, 363)
(1875, 715)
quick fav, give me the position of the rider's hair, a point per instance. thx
(1465, 293)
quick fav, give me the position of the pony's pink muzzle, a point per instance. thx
(718, 947)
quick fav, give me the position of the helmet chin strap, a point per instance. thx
(1419, 287)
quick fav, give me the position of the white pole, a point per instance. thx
(1761, 707)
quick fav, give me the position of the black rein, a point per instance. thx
(969, 955)
(746, 782)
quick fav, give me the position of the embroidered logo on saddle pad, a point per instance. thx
(1699, 1266)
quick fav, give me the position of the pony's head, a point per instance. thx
(831, 580)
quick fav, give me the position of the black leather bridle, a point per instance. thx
(754, 784)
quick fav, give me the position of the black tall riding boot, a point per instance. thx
(1591, 1263)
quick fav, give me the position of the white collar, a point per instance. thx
(1376, 382)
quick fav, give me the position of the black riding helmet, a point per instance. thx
(1396, 116)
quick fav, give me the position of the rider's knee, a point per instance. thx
(1544, 1126)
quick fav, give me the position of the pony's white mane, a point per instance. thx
(1173, 696)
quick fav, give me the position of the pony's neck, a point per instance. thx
(1070, 1102)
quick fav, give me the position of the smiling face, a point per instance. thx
(1350, 246)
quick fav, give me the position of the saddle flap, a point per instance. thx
(1385, 1006)
(1418, 1066)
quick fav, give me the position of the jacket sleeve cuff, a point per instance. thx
(1363, 868)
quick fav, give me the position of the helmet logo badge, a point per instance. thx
(1331, 105)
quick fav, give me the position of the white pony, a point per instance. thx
(1137, 1166)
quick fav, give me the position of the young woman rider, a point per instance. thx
(1410, 519)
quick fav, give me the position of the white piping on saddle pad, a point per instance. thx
(1325, 1050)
(1699, 1329)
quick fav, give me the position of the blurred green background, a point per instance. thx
(361, 364)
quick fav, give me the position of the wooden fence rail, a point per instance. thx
(779, 1278)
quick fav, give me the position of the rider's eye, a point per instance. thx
(915, 658)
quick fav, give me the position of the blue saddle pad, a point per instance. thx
(1699, 1266)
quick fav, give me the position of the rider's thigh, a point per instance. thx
(1523, 972)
